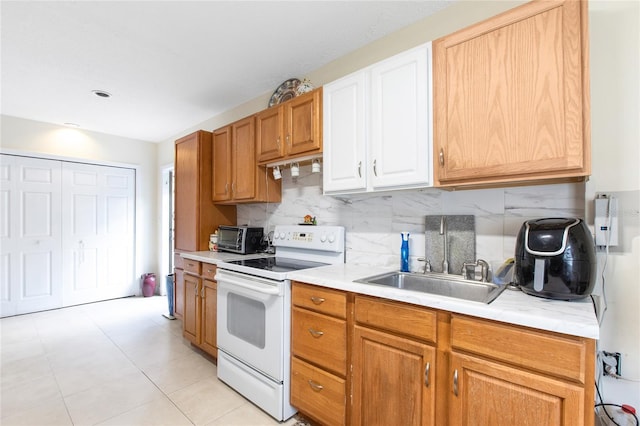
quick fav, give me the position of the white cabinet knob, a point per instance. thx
(332, 238)
(323, 238)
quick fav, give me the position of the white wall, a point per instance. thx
(615, 119)
(35, 138)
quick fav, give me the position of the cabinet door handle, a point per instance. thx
(359, 168)
(426, 374)
(455, 382)
(226, 187)
(441, 157)
(375, 167)
(316, 387)
(316, 333)
(288, 141)
(233, 187)
(317, 300)
(195, 287)
(278, 143)
(202, 292)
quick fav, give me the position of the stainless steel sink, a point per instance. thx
(440, 284)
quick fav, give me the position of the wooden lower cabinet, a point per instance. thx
(200, 306)
(317, 393)
(319, 353)
(191, 317)
(392, 380)
(412, 365)
(491, 393)
(178, 293)
(208, 333)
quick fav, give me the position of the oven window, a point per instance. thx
(246, 319)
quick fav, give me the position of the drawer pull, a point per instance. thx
(455, 382)
(316, 387)
(426, 374)
(317, 300)
(316, 333)
(209, 271)
(441, 157)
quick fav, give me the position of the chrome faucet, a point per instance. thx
(443, 232)
(484, 271)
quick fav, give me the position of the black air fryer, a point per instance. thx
(555, 258)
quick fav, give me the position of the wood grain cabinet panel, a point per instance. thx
(489, 393)
(290, 130)
(237, 178)
(200, 305)
(320, 339)
(318, 393)
(511, 99)
(393, 380)
(196, 216)
(402, 318)
(319, 299)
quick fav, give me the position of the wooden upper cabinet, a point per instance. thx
(196, 216)
(269, 129)
(237, 178)
(244, 159)
(222, 164)
(511, 97)
(303, 124)
(290, 130)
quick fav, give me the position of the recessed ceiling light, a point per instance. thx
(101, 93)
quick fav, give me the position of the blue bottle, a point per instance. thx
(404, 252)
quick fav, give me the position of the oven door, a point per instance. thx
(251, 321)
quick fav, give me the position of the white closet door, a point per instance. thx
(30, 228)
(98, 205)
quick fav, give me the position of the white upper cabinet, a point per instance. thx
(377, 126)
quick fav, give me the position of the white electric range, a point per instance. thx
(254, 313)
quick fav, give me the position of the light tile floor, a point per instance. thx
(118, 362)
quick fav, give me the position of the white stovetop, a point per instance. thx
(575, 318)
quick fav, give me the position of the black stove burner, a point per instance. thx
(277, 264)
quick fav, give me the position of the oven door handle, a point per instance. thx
(248, 284)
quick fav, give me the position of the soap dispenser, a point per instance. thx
(404, 252)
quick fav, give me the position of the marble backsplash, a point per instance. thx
(373, 222)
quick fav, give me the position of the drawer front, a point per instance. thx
(320, 339)
(320, 299)
(551, 353)
(209, 271)
(192, 266)
(178, 261)
(317, 393)
(413, 321)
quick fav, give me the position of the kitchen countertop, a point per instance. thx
(216, 257)
(575, 318)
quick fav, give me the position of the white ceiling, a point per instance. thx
(173, 64)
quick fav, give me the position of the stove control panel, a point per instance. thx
(324, 238)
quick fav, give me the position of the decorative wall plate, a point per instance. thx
(284, 92)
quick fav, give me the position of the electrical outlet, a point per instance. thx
(611, 364)
(606, 220)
